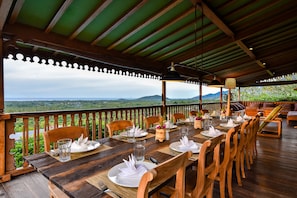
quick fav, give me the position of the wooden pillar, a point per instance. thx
(3, 158)
(1, 78)
(164, 111)
(221, 97)
(238, 94)
(200, 95)
(228, 111)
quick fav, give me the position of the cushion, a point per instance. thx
(270, 116)
(268, 104)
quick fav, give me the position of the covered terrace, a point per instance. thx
(251, 41)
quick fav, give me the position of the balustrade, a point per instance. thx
(34, 123)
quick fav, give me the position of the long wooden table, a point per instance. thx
(71, 177)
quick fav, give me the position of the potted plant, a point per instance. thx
(198, 121)
(160, 130)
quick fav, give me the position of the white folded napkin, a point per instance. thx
(188, 120)
(137, 131)
(213, 113)
(230, 123)
(168, 124)
(213, 132)
(239, 119)
(80, 144)
(246, 117)
(132, 173)
(186, 144)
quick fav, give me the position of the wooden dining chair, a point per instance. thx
(251, 142)
(193, 113)
(204, 111)
(239, 158)
(177, 116)
(118, 125)
(271, 126)
(151, 120)
(52, 136)
(156, 177)
(208, 167)
(230, 149)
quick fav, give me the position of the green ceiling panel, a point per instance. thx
(38, 13)
(105, 19)
(143, 14)
(158, 23)
(76, 13)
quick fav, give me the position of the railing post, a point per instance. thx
(3, 176)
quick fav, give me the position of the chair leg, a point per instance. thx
(237, 169)
(222, 183)
(229, 180)
(242, 165)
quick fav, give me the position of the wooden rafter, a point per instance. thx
(118, 22)
(147, 22)
(4, 10)
(90, 18)
(58, 15)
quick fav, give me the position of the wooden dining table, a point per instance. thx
(80, 177)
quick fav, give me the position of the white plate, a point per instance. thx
(173, 127)
(92, 145)
(206, 134)
(175, 146)
(226, 125)
(114, 171)
(142, 134)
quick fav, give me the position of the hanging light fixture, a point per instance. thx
(215, 83)
(172, 75)
(230, 83)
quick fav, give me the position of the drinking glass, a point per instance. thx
(184, 131)
(64, 147)
(139, 150)
(130, 134)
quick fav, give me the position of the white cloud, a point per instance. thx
(34, 80)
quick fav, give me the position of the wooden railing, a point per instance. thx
(33, 124)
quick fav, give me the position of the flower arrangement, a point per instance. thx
(199, 116)
(161, 124)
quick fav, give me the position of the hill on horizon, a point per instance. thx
(205, 97)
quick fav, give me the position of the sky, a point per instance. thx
(34, 80)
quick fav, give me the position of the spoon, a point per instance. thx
(154, 160)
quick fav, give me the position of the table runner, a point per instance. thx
(74, 156)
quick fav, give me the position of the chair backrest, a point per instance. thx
(231, 143)
(271, 116)
(159, 175)
(118, 125)
(193, 113)
(204, 111)
(177, 116)
(208, 167)
(53, 135)
(150, 120)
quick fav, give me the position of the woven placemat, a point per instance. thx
(124, 139)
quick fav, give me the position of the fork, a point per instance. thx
(105, 189)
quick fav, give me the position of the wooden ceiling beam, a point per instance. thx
(4, 11)
(78, 48)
